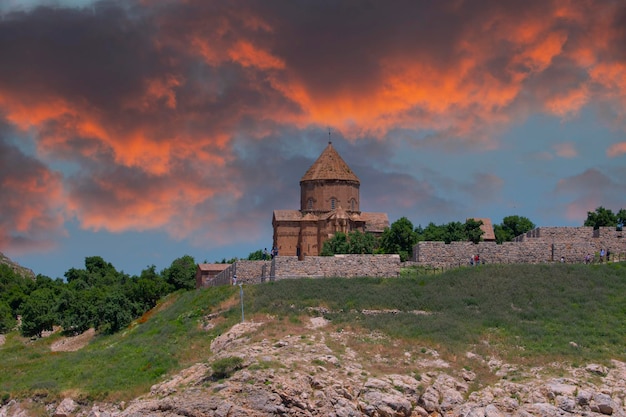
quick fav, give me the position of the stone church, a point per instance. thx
(329, 203)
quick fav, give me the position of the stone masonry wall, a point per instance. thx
(248, 272)
(337, 266)
(545, 244)
(557, 234)
(283, 267)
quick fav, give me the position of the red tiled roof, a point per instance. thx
(213, 267)
(287, 215)
(375, 222)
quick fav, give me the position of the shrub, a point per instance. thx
(225, 367)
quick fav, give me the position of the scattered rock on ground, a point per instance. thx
(324, 372)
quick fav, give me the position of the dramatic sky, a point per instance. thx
(144, 130)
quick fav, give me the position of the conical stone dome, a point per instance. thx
(330, 166)
(328, 184)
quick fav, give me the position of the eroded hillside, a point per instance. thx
(314, 368)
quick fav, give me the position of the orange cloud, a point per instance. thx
(31, 202)
(249, 55)
(617, 149)
(611, 76)
(538, 55)
(29, 112)
(578, 209)
(565, 150)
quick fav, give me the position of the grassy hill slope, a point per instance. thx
(534, 313)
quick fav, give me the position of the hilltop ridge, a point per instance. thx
(17, 268)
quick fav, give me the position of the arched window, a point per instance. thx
(353, 204)
(332, 203)
(309, 204)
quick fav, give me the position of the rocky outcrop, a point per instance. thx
(17, 268)
(323, 372)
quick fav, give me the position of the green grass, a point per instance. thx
(525, 313)
(522, 310)
(119, 366)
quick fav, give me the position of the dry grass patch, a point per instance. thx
(73, 343)
(276, 328)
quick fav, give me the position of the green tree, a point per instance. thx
(257, 255)
(355, 242)
(472, 230)
(97, 272)
(7, 319)
(450, 232)
(181, 274)
(454, 232)
(600, 218)
(76, 310)
(511, 227)
(399, 238)
(621, 219)
(336, 244)
(227, 261)
(74, 274)
(146, 290)
(38, 312)
(361, 243)
(433, 233)
(14, 288)
(115, 312)
(97, 265)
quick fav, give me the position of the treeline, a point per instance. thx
(603, 217)
(401, 236)
(97, 296)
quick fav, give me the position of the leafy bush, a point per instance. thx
(355, 242)
(225, 367)
(7, 321)
(182, 273)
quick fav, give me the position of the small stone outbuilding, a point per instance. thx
(206, 272)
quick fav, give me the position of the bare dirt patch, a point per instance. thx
(317, 322)
(74, 343)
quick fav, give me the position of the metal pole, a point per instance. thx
(241, 296)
